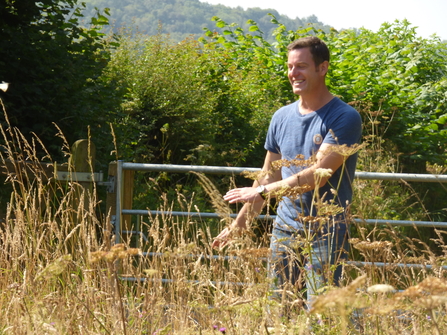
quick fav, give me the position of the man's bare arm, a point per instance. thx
(250, 209)
(325, 159)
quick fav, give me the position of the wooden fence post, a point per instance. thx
(127, 201)
(83, 153)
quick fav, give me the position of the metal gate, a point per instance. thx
(121, 166)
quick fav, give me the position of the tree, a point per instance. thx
(183, 102)
(52, 64)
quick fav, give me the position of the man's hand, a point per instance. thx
(222, 239)
(226, 235)
(246, 194)
(253, 202)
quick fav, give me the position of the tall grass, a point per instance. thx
(61, 272)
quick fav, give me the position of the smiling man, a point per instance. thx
(311, 127)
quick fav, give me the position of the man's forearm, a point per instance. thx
(246, 214)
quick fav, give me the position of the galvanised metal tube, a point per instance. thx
(187, 168)
(399, 265)
(427, 178)
(432, 224)
(272, 217)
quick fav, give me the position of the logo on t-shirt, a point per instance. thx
(318, 139)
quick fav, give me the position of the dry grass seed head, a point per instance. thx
(55, 268)
(294, 193)
(345, 150)
(299, 161)
(370, 246)
(429, 286)
(221, 206)
(326, 209)
(428, 294)
(256, 175)
(118, 251)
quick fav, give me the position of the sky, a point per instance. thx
(429, 16)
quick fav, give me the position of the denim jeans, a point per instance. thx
(301, 260)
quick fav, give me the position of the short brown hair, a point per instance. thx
(317, 47)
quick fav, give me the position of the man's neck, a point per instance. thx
(310, 104)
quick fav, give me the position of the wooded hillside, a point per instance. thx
(182, 18)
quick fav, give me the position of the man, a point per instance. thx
(314, 126)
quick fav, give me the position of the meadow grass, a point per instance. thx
(62, 273)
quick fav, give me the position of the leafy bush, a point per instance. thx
(52, 64)
(402, 79)
(190, 103)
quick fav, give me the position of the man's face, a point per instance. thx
(303, 75)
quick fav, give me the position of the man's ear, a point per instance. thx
(324, 67)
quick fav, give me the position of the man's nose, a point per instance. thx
(294, 72)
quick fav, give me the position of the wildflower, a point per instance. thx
(292, 192)
(345, 150)
(327, 209)
(323, 173)
(49, 327)
(380, 288)
(118, 251)
(221, 329)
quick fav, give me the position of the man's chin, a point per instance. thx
(297, 91)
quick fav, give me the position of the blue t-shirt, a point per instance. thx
(290, 134)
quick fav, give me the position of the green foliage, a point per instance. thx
(51, 64)
(165, 107)
(190, 102)
(402, 80)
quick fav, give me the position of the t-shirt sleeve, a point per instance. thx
(270, 142)
(346, 128)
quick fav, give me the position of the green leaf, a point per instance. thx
(220, 24)
(253, 28)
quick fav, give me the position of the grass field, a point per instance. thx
(61, 273)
